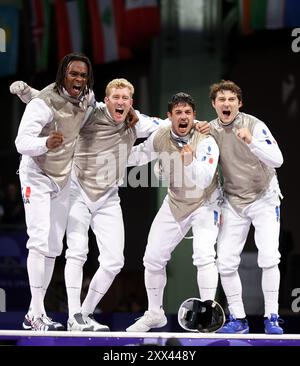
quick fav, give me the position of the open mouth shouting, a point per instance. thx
(119, 111)
(227, 106)
(76, 90)
(119, 114)
(226, 116)
(118, 103)
(183, 127)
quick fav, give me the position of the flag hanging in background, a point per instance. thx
(104, 18)
(76, 18)
(269, 14)
(64, 45)
(141, 23)
(9, 24)
(40, 26)
(70, 24)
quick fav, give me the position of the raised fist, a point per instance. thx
(18, 87)
(23, 91)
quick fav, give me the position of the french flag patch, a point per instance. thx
(277, 213)
(216, 217)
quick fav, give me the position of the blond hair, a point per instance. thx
(118, 84)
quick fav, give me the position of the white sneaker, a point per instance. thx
(27, 322)
(149, 320)
(52, 325)
(77, 323)
(39, 324)
(91, 322)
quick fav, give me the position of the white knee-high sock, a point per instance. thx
(155, 283)
(233, 290)
(73, 279)
(99, 285)
(36, 275)
(207, 279)
(49, 267)
(270, 285)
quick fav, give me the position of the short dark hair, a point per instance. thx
(181, 98)
(62, 69)
(225, 85)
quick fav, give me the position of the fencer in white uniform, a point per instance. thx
(188, 162)
(100, 162)
(248, 156)
(46, 139)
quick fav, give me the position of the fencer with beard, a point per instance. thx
(188, 160)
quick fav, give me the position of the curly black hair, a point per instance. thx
(62, 69)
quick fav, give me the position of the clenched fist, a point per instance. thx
(18, 87)
(54, 140)
(21, 89)
(244, 134)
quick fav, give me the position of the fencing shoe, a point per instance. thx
(39, 324)
(272, 324)
(49, 321)
(77, 323)
(27, 323)
(149, 320)
(234, 325)
(91, 322)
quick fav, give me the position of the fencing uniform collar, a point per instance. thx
(180, 141)
(68, 97)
